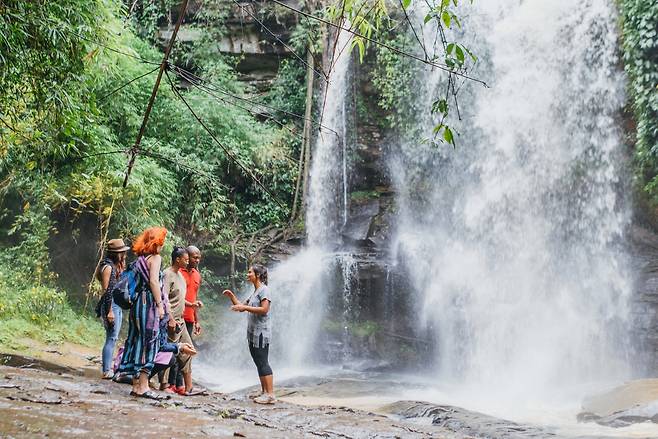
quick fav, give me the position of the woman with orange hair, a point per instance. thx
(143, 341)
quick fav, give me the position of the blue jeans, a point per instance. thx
(111, 336)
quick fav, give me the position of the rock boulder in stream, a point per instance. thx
(631, 403)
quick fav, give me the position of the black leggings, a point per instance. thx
(259, 355)
(175, 374)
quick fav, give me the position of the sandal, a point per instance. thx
(150, 395)
(195, 391)
(265, 398)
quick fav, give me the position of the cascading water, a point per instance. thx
(513, 241)
(301, 285)
(328, 181)
(508, 258)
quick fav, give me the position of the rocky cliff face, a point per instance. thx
(644, 251)
(256, 34)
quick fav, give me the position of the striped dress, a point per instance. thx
(143, 341)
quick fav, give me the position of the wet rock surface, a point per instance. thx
(632, 403)
(37, 403)
(465, 421)
(644, 306)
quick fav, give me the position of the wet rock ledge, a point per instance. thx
(36, 403)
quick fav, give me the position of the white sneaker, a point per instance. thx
(265, 398)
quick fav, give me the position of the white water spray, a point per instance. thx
(300, 285)
(515, 249)
(328, 181)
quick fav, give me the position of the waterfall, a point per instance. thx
(305, 291)
(507, 257)
(328, 179)
(301, 285)
(513, 240)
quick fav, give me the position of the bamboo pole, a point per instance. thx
(149, 107)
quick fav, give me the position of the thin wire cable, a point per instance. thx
(413, 29)
(127, 84)
(379, 43)
(211, 178)
(154, 155)
(222, 146)
(111, 49)
(202, 88)
(321, 75)
(183, 72)
(352, 27)
(341, 20)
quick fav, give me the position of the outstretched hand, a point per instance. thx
(238, 308)
(228, 293)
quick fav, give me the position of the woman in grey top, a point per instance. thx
(259, 331)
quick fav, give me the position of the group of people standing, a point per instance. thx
(163, 318)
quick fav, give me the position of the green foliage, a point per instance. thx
(365, 17)
(396, 96)
(31, 309)
(364, 195)
(640, 43)
(182, 179)
(368, 17)
(71, 105)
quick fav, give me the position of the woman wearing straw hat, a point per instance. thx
(108, 272)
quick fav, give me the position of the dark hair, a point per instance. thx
(115, 257)
(177, 252)
(261, 272)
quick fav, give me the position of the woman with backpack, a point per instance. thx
(111, 314)
(259, 330)
(143, 341)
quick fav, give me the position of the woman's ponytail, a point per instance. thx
(261, 272)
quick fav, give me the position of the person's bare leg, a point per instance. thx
(262, 384)
(136, 385)
(143, 384)
(268, 384)
(187, 377)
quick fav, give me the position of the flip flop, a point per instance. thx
(150, 395)
(196, 391)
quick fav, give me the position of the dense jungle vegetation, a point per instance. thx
(69, 111)
(75, 77)
(640, 54)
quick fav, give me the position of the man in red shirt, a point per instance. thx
(193, 281)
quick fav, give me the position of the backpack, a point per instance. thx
(104, 263)
(131, 282)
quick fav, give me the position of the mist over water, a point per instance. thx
(514, 241)
(300, 285)
(511, 245)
